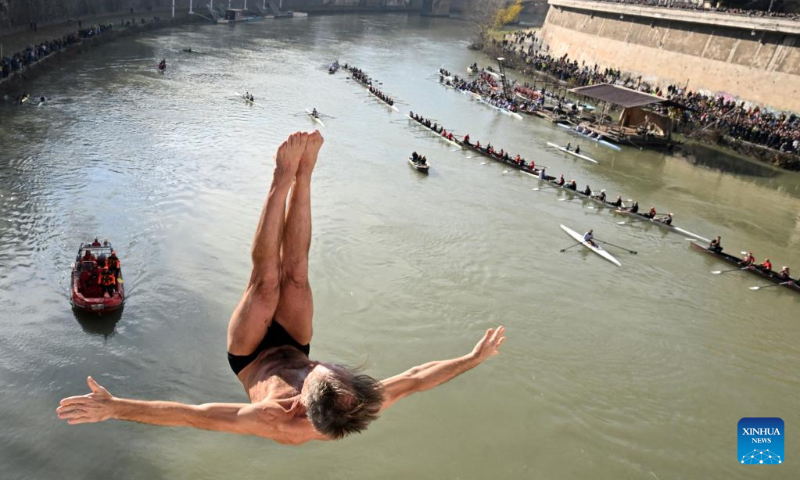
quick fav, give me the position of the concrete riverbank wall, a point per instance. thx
(745, 58)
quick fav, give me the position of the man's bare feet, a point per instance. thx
(287, 158)
(309, 158)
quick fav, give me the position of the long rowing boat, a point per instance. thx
(645, 218)
(508, 161)
(501, 110)
(313, 117)
(593, 139)
(771, 275)
(383, 101)
(598, 249)
(583, 157)
(439, 135)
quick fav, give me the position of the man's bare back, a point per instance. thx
(293, 399)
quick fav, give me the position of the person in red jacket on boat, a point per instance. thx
(88, 257)
(96, 242)
(113, 263)
(766, 266)
(292, 399)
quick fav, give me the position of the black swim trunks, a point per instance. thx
(276, 336)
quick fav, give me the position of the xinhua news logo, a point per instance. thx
(761, 441)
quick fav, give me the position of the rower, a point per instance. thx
(587, 191)
(785, 274)
(414, 157)
(666, 220)
(588, 237)
(634, 208)
(618, 202)
(542, 174)
(652, 213)
(113, 263)
(767, 265)
(602, 196)
(107, 281)
(716, 245)
(569, 146)
(748, 261)
(560, 181)
(578, 149)
(314, 113)
(466, 139)
(573, 185)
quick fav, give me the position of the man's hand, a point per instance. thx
(90, 408)
(489, 345)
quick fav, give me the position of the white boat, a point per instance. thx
(598, 249)
(439, 135)
(316, 119)
(594, 139)
(581, 156)
(501, 110)
(418, 167)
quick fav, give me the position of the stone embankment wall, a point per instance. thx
(752, 59)
(16, 14)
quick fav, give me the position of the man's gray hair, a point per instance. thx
(344, 402)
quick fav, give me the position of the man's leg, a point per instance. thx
(296, 306)
(256, 309)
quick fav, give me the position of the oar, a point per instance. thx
(569, 199)
(621, 248)
(545, 187)
(769, 286)
(634, 221)
(565, 249)
(717, 272)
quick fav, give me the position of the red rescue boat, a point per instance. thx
(97, 285)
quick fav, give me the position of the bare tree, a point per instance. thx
(490, 14)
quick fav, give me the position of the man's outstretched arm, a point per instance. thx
(100, 405)
(429, 375)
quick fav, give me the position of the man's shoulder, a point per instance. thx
(272, 420)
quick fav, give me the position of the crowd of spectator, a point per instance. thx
(778, 131)
(35, 53)
(702, 7)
